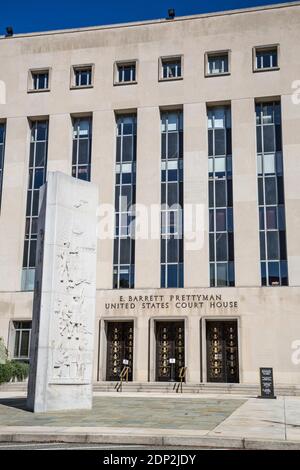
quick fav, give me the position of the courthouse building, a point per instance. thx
(198, 116)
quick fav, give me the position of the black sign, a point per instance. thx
(266, 382)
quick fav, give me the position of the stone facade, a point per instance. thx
(268, 327)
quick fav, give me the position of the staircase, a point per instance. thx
(167, 387)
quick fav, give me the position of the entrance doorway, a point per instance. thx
(169, 350)
(119, 349)
(222, 351)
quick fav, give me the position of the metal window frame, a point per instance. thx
(77, 139)
(2, 151)
(209, 54)
(164, 210)
(269, 47)
(30, 81)
(118, 213)
(21, 330)
(263, 177)
(214, 208)
(31, 190)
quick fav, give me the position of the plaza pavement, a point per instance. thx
(155, 419)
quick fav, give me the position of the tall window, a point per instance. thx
(273, 254)
(221, 247)
(36, 178)
(21, 332)
(124, 245)
(82, 146)
(171, 256)
(2, 143)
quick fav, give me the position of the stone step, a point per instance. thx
(167, 387)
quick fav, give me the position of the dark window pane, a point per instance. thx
(173, 145)
(41, 131)
(282, 239)
(263, 274)
(124, 278)
(210, 142)
(28, 205)
(24, 348)
(278, 138)
(32, 254)
(220, 193)
(283, 273)
(230, 247)
(211, 194)
(74, 153)
(220, 220)
(273, 269)
(125, 251)
(220, 142)
(270, 190)
(163, 146)
(261, 218)
(260, 192)
(172, 250)
(258, 139)
(212, 274)
(127, 149)
(221, 247)
(172, 194)
(25, 254)
(163, 276)
(17, 344)
(273, 245)
(172, 275)
(280, 189)
(211, 247)
(228, 142)
(163, 250)
(38, 178)
(271, 217)
(83, 156)
(269, 138)
(262, 246)
(221, 274)
(211, 220)
(40, 154)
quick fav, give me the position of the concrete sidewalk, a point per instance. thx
(219, 421)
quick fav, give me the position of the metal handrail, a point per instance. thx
(123, 376)
(182, 375)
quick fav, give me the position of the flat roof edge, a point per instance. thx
(237, 11)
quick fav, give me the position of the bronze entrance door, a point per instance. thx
(119, 348)
(222, 351)
(169, 345)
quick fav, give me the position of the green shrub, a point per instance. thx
(13, 370)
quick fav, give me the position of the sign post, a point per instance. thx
(266, 383)
(172, 365)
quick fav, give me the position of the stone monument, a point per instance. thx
(63, 323)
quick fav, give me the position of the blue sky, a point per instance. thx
(32, 15)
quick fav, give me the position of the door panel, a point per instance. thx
(169, 344)
(119, 347)
(222, 351)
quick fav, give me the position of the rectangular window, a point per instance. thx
(221, 246)
(125, 72)
(170, 68)
(36, 178)
(273, 256)
(82, 146)
(124, 244)
(21, 333)
(82, 76)
(217, 63)
(265, 58)
(39, 80)
(2, 148)
(172, 199)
